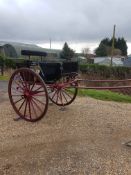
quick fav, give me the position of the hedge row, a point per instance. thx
(118, 72)
(10, 63)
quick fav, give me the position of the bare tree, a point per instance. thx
(86, 51)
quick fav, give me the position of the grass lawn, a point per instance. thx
(105, 95)
(4, 77)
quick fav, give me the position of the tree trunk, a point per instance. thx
(2, 70)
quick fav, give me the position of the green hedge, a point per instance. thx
(106, 71)
(9, 63)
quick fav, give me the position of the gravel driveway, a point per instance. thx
(86, 139)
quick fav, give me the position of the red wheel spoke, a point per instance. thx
(24, 78)
(22, 82)
(17, 95)
(23, 75)
(61, 98)
(39, 88)
(57, 97)
(29, 85)
(32, 86)
(64, 96)
(29, 81)
(18, 100)
(70, 91)
(67, 94)
(13, 88)
(36, 92)
(54, 94)
(21, 79)
(19, 85)
(21, 105)
(39, 95)
(38, 100)
(29, 110)
(39, 92)
(37, 105)
(25, 108)
(33, 108)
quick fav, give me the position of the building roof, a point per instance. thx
(127, 62)
(22, 46)
(107, 61)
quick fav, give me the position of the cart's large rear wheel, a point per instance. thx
(63, 96)
(28, 94)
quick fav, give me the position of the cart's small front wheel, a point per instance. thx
(28, 94)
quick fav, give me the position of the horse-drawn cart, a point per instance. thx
(31, 88)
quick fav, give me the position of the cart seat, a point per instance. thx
(25, 63)
(50, 72)
(70, 67)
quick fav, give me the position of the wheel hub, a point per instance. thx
(27, 95)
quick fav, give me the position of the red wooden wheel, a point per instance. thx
(62, 95)
(28, 94)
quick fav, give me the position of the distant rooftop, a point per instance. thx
(17, 47)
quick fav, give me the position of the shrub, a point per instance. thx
(118, 72)
(9, 63)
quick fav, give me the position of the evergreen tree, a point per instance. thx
(106, 41)
(104, 48)
(121, 44)
(101, 50)
(67, 53)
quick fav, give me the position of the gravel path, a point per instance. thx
(86, 139)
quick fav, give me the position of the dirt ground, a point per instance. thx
(87, 138)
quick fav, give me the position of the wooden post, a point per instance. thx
(112, 48)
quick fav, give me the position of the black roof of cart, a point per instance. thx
(33, 53)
